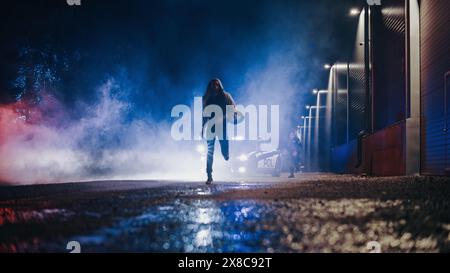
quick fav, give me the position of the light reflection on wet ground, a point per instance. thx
(326, 215)
(193, 226)
(180, 225)
(10, 216)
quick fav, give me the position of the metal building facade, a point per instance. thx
(396, 89)
(383, 95)
(435, 86)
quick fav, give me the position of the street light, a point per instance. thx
(315, 161)
(354, 12)
(320, 92)
(345, 67)
(327, 66)
(315, 107)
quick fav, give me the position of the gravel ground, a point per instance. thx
(313, 213)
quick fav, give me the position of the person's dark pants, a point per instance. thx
(225, 152)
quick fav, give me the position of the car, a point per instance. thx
(258, 162)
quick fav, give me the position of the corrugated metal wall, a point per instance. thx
(384, 151)
(340, 104)
(435, 63)
(357, 99)
(388, 54)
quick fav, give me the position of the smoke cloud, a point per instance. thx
(100, 109)
(100, 145)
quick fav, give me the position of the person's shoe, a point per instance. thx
(209, 180)
(291, 176)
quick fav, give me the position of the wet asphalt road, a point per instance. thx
(313, 213)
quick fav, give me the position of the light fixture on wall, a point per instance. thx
(354, 12)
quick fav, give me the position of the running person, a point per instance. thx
(216, 95)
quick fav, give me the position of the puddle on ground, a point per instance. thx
(197, 226)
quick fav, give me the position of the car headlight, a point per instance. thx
(243, 158)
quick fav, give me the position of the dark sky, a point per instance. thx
(164, 52)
